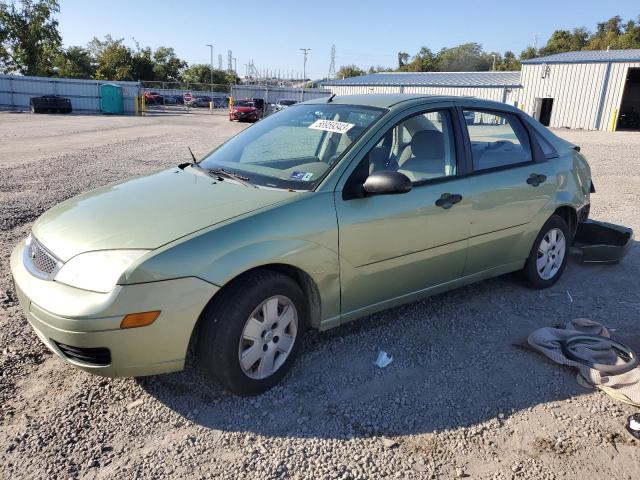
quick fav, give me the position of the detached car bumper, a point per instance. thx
(83, 327)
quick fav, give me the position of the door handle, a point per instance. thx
(536, 179)
(447, 200)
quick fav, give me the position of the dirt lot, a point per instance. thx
(459, 400)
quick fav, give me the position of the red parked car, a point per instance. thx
(244, 110)
(152, 98)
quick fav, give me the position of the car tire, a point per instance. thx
(549, 254)
(251, 320)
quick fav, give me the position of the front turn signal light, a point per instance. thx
(134, 320)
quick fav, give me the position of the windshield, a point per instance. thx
(296, 147)
(243, 103)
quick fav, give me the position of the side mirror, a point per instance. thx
(386, 183)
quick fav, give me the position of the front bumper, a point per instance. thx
(243, 116)
(64, 317)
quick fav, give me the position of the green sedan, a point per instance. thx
(320, 214)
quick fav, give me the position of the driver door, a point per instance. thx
(399, 246)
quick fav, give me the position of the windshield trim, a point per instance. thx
(320, 180)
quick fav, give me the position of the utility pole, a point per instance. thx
(494, 63)
(305, 52)
(211, 75)
(235, 69)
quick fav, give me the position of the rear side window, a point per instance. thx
(497, 139)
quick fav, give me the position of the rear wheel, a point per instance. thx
(549, 254)
(252, 334)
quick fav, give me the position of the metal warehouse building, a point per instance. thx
(498, 86)
(592, 90)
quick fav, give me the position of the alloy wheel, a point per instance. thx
(268, 337)
(551, 252)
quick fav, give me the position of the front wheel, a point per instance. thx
(549, 254)
(251, 335)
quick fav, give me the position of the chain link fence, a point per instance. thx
(182, 97)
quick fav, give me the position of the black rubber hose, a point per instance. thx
(620, 349)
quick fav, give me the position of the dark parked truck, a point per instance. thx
(50, 104)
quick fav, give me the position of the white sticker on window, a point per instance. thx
(332, 126)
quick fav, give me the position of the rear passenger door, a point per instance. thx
(510, 183)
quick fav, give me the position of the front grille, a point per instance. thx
(100, 356)
(40, 258)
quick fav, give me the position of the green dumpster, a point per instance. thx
(111, 98)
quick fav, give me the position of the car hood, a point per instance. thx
(146, 212)
(244, 109)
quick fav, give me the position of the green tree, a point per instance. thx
(114, 59)
(630, 37)
(74, 62)
(616, 35)
(403, 58)
(529, 53)
(201, 73)
(347, 71)
(566, 41)
(29, 37)
(468, 57)
(424, 61)
(378, 69)
(508, 63)
(167, 65)
(142, 64)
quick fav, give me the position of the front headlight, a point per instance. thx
(97, 271)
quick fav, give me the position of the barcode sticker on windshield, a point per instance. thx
(332, 126)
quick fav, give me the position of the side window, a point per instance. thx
(421, 147)
(497, 140)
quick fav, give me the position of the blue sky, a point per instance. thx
(365, 33)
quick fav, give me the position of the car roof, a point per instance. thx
(389, 100)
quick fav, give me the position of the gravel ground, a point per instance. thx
(459, 400)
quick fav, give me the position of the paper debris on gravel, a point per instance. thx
(383, 359)
(134, 404)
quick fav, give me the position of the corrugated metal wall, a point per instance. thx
(15, 92)
(361, 89)
(509, 95)
(615, 90)
(273, 94)
(576, 89)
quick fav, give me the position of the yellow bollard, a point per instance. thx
(135, 105)
(614, 120)
(144, 105)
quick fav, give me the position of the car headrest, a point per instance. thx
(428, 144)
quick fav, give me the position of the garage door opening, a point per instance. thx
(543, 109)
(629, 116)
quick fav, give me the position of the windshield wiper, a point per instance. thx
(221, 174)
